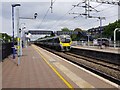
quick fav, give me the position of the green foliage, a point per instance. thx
(0, 35)
(74, 37)
(79, 36)
(65, 29)
(52, 35)
(5, 37)
(109, 30)
(78, 30)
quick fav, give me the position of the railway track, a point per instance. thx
(105, 59)
(104, 69)
(96, 61)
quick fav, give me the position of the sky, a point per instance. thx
(60, 17)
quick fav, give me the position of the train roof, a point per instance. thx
(53, 37)
(48, 38)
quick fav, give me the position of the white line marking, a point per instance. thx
(76, 79)
(95, 75)
(101, 78)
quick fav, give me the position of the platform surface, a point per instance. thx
(42, 69)
(32, 72)
(97, 48)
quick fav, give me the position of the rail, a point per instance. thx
(107, 70)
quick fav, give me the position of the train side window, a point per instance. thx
(49, 40)
(57, 40)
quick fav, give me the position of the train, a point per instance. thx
(59, 43)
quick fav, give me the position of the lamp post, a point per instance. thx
(115, 36)
(35, 16)
(101, 18)
(22, 34)
(13, 5)
(88, 40)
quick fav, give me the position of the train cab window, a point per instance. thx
(65, 40)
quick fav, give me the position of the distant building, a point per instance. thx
(95, 32)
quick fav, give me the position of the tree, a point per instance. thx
(5, 37)
(52, 34)
(109, 30)
(78, 30)
(79, 36)
(65, 29)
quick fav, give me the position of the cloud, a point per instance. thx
(7, 26)
(60, 16)
(0, 17)
(39, 0)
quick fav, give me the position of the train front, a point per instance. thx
(65, 42)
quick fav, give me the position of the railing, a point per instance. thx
(85, 43)
(6, 50)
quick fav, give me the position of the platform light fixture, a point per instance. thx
(13, 5)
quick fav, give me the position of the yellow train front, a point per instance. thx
(65, 42)
(59, 43)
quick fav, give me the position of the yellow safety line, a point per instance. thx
(60, 76)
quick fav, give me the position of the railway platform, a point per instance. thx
(97, 48)
(107, 54)
(41, 69)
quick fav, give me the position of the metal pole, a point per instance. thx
(51, 6)
(88, 40)
(24, 37)
(100, 32)
(21, 42)
(88, 8)
(115, 38)
(18, 36)
(13, 32)
(21, 38)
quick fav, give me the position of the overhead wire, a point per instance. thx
(46, 14)
(57, 22)
(98, 20)
(62, 17)
(65, 15)
(100, 12)
(68, 12)
(97, 12)
(104, 9)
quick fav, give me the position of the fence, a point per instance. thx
(6, 50)
(85, 43)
